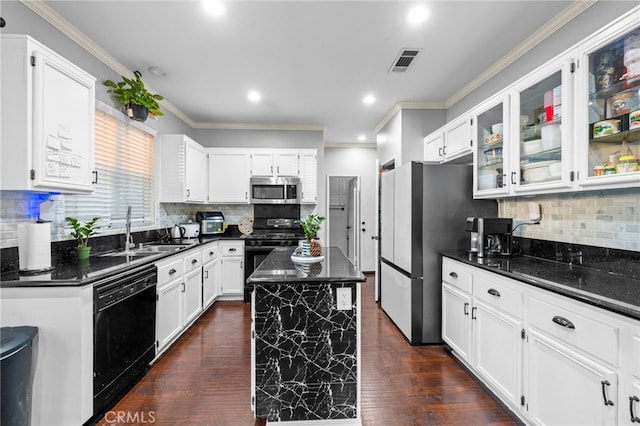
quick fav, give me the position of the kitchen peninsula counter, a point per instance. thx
(306, 338)
(608, 290)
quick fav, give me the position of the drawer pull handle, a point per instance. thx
(563, 322)
(172, 271)
(607, 401)
(453, 274)
(633, 399)
(466, 308)
(210, 253)
(232, 249)
(194, 261)
(493, 292)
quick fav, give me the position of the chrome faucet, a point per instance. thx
(128, 240)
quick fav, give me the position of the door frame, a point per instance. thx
(357, 200)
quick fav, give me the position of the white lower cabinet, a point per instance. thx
(179, 295)
(210, 274)
(456, 321)
(498, 350)
(551, 359)
(169, 313)
(232, 269)
(567, 388)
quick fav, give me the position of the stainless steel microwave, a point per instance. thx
(275, 190)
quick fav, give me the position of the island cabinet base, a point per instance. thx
(306, 351)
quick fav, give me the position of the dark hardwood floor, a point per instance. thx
(204, 378)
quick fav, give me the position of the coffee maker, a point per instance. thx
(490, 236)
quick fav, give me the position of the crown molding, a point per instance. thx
(350, 145)
(557, 22)
(407, 105)
(258, 126)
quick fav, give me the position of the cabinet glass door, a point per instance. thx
(540, 120)
(492, 147)
(613, 85)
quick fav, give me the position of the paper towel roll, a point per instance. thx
(34, 246)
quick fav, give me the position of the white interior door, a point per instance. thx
(368, 222)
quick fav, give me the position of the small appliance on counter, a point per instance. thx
(490, 236)
(191, 229)
(211, 223)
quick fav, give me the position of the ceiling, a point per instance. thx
(313, 62)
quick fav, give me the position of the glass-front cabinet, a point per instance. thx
(491, 153)
(541, 131)
(608, 118)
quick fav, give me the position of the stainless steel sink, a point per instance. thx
(147, 250)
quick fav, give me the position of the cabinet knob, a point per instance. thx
(194, 261)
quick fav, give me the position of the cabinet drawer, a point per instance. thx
(210, 253)
(170, 270)
(589, 333)
(498, 294)
(456, 274)
(232, 248)
(192, 261)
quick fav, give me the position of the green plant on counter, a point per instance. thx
(311, 225)
(132, 92)
(82, 232)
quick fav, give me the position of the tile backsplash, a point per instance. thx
(596, 218)
(23, 206)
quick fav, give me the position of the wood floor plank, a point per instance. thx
(203, 379)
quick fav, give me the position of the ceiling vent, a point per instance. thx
(403, 61)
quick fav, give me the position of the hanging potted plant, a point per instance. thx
(310, 226)
(82, 232)
(139, 102)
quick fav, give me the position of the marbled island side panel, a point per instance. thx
(306, 351)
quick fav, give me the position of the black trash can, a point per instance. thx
(16, 374)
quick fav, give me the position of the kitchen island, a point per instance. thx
(306, 338)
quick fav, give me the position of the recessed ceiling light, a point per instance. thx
(214, 7)
(362, 138)
(254, 96)
(418, 15)
(369, 99)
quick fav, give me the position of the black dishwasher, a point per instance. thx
(124, 331)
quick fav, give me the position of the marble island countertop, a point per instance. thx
(278, 267)
(607, 290)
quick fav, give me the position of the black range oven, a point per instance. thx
(274, 226)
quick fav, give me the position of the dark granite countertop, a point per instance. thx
(279, 268)
(607, 290)
(69, 272)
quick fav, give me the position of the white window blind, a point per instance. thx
(124, 162)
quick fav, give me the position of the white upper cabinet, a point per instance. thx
(229, 171)
(433, 144)
(182, 170)
(541, 129)
(608, 107)
(458, 139)
(275, 163)
(451, 142)
(48, 120)
(491, 153)
(309, 176)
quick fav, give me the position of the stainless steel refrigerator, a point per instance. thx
(423, 209)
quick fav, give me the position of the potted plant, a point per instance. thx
(82, 232)
(138, 101)
(310, 227)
